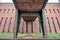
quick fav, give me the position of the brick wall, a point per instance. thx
(7, 16)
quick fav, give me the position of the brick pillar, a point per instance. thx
(24, 27)
(29, 27)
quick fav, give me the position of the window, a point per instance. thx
(4, 10)
(49, 24)
(54, 10)
(58, 22)
(58, 10)
(12, 10)
(45, 10)
(0, 10)
(1, 21)
(8, 10)
(50, 10)
(53, 24)
(5, 24)
(9, 24)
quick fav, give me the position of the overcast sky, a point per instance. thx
(10, 1)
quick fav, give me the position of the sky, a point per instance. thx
(10, 1)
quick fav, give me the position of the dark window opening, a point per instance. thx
(46, 10)
(12, 10)
(4, 10)
(54, 10)
(54, 24)
(0, 10)
(8, 10)
(1, 21)
(9, 24)
(5, 24)
(50, 10)
(58, 22)
(49, 25)
(58, 10)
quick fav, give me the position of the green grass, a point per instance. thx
(37, 34)
(50, 35)
(22, 35)
(10, 35)
(6, 35)
(53, 35)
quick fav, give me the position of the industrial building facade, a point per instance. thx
(7, 16)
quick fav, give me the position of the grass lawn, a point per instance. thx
(6, 35)
(50, 35)
(10, 35)
(53, 35)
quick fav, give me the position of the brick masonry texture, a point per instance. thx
(7, 16)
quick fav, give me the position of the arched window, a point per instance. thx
(58, 22)
(1, 20)
(9, 24)
(4, 24)
(54, 10)
(0, 10)
(8, 10)
(12, 10)
(4, 10)
(50, 10)
(58, 10)
(49, 24)
(45, 10)
(53, 24)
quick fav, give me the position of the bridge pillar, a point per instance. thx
(16, 23)
(42, 21)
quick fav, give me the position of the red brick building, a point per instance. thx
(7, 16)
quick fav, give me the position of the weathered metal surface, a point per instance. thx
(29, 5)
(29, 18)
